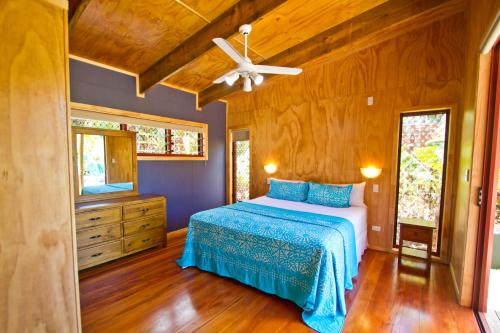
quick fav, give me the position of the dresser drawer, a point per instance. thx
(412, 234)
(143, 240)
(144, 224)
(94, 218)
(99, 254)
(92, 236)
(146, 208)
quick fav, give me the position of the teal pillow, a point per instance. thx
(329, 195)
(288, 190)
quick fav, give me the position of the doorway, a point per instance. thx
(240, 165)
(421, 173)
(487, 276)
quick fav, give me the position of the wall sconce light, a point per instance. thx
(270, 168)
(371, 172)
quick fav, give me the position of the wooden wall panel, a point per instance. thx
(317, 126)
(480, 16)
(38, 279)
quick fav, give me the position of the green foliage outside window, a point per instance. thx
(102, 124)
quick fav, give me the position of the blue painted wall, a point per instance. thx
(189, 186)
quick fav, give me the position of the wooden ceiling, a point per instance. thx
(170, 40)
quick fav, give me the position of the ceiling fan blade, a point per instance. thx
(229, 50)
(263, 69)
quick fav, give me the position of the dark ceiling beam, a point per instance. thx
(224, 26)
(381, 23)
(75, 10)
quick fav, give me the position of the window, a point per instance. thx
(169, 142)
(150, 140)
(157, 137)
(79, 122)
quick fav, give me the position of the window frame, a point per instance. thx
(110, 114)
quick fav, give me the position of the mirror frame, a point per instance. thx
(103, 196)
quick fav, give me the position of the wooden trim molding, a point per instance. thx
(137, 115)
(103, 111)
(454, 280)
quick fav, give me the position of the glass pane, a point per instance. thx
(493, 306)
(184, 142)
(77, 122)
(421, 170)
(242, 170)
(94, 168)
(150, 140)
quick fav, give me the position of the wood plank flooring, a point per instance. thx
(150, 293)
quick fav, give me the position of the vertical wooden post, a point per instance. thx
(38, 276)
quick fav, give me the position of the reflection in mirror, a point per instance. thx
(104, 164)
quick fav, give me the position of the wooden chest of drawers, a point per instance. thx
(110, 229)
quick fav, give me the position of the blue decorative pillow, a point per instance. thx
(288, 190)
(329, 195)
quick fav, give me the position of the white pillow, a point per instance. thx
(357, 194)
(288, 181)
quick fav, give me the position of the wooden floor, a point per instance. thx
(151, 293)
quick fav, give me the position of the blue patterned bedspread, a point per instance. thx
(307, 258)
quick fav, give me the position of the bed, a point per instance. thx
(305, 253)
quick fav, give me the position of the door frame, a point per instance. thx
(230, 163)
(444, 178)
(491, 164)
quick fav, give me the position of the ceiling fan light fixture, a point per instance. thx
(231, 78)
(247, 85)
(246, 69)
(257, 78)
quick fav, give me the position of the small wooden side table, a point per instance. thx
(418, 231)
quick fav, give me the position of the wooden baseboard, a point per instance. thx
(379, 248)
(455, 284)
(176, 235)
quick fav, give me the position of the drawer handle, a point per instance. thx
(95, 237)
(96, 254)
(144, 226)
(95, 218)
(145, 210)
(146, 240)
(415, 233)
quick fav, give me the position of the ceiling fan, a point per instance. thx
(248, 71)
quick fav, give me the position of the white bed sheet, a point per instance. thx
(355, 214)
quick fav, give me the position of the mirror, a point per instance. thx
(105, 163)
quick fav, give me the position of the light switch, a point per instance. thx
(376, 188)
(370, 100)
(376, 228)
(268, 181)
